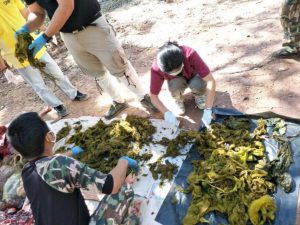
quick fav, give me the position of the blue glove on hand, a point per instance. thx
(76, 150)
(132, 164)
(22, 30)
(37, 44)
(207, 117)
(170, 118)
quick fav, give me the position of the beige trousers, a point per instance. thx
(96, 50)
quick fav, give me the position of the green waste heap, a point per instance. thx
(23, 54)
(104, 144)
(234, 177)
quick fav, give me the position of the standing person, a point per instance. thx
(53, 183)
(182, 67)
(92, 43)
(12, 16)
(290, 21)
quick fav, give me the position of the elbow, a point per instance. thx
(116, 189)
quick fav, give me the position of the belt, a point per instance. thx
(90, 23)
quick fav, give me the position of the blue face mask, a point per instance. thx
(176, 73)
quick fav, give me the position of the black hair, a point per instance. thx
(27, 134)
(170, 57)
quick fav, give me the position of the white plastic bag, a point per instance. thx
(11, 78)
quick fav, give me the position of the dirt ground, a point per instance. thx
(232, 36)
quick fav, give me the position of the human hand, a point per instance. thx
(37, 44)
(22, 30)
(132, 164)
(130, 179)
(76, 150)
(170, 118)
(207, 117)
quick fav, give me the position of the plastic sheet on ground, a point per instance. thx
(146, 188)
(286, 202)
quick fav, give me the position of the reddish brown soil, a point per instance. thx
(231, 36)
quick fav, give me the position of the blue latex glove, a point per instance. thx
(170, 118)
(37, 44)
(132, 164)
(76, 150)
(22, 30)
(207, 117)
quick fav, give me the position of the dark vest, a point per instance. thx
(83, 14)
(52, 207)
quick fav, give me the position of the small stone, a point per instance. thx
(282, 69)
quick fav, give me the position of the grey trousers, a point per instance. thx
(96, 50)
(178, 85)
(34, 78)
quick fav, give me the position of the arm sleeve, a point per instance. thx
(19, 4)
(156, 82)
(199, 65)
(65, 174)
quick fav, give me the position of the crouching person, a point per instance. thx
(52, 182)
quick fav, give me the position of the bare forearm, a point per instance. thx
(25, 13)
(119, 174)
(35, 21)
(58, 20)
(210, 92)
(158, 104)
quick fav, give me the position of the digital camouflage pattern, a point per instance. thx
(65, 174)
(114, 208)
(290, 20)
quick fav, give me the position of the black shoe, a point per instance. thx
(81, 97)
(61, 110)
(146, 102)
(114, 109)
(285, 52)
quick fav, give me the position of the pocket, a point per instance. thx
(119, 61)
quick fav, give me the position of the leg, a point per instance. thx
(290, 21)
(198, 87)
(62, 81)
(110, 52)
(33, 77)
(114, 209)
(285, 17)
(177, 87)
(91, 65)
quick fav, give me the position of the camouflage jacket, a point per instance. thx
(65, 174)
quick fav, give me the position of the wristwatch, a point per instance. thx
(47, 38)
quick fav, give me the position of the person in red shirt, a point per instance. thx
(182, 67)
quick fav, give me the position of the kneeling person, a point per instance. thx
(52, 182)
(182, 67)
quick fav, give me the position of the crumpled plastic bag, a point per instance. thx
(13, 191)
(5, 172)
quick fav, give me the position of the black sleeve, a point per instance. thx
(108, 185)
(29, 2)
